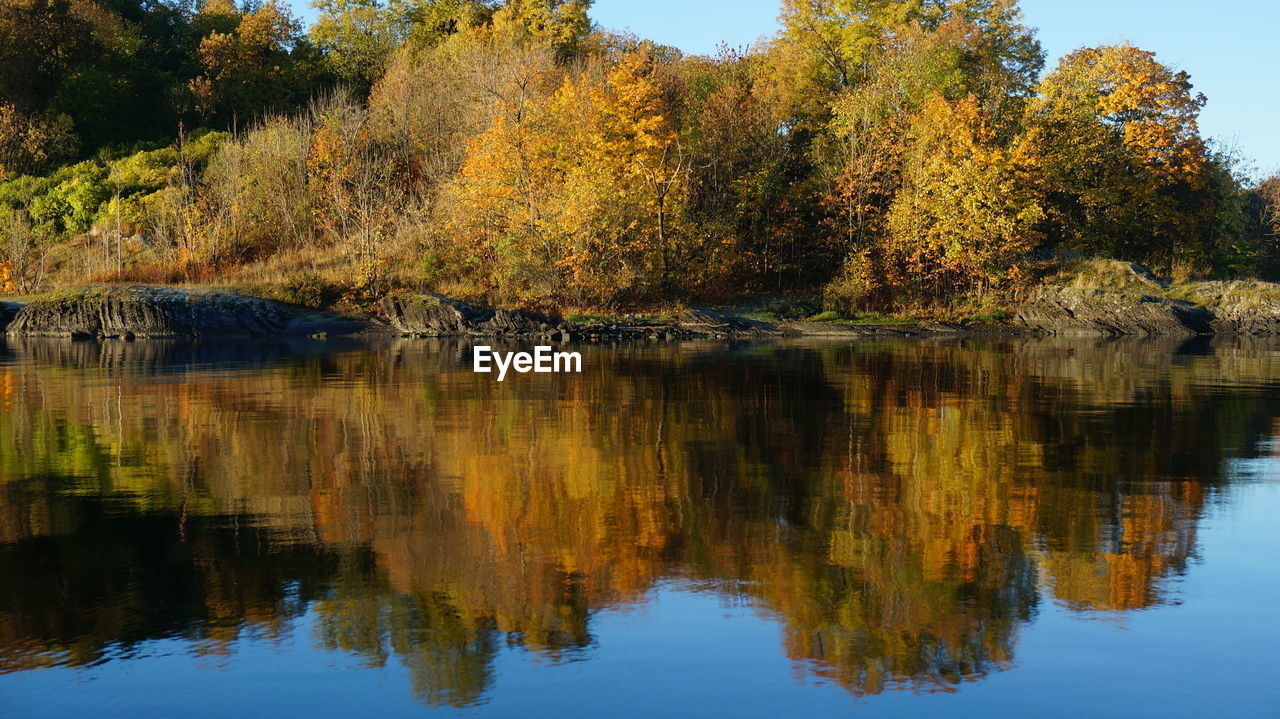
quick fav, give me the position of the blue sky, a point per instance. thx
(1228, 46)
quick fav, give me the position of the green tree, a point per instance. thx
(358, 37)
(562, 24)
(264, 64)
(111, 67)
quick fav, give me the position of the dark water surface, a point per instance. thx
(1023, 528)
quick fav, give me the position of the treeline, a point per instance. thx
(886, 153)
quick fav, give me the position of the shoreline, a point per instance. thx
(156, 312)
(1093, 298)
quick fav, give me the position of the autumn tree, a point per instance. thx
(747, 183)
(968, 208)
(833, 45)
(1120, 147)
(359, 37)
(834, 41)
(31, 143)
(1262, 208)
(431, 101)
(561, 24)
(998, 57)
(861, 149)
(572, 199)
(251, 200)
(22, 252)
(866, 69)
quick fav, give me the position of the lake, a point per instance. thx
(917, 528)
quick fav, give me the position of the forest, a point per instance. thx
(872, 154)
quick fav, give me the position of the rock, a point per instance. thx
(516, 322)
(826, 329)
(440, 316)
(149, 312)
(141, 312)
(1062, 310)
(713, 324)
(784, 307)
(1239, 307)
(433, 315)
(941, 328)
(1109, 297)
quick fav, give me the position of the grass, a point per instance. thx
(305, 289)
(1097, 274)
(879, 318)
(1232, 296)
(987, 317)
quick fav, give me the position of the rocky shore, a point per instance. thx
(142, 312)
(1107, 297)
(1112, 299)
(437, 316)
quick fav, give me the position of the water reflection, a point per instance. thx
(900, 509)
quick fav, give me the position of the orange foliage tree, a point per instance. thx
(1123, 158)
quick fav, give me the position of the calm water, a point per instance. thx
(896, 529)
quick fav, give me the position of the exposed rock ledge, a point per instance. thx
(440, 316)
(1113, 299)
(166, 312)
(1239, 307)
(1072, 311)
(1106, 297)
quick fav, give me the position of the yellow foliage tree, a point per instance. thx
(968, 207)
(572, 199)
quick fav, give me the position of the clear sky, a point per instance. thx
(1230, 47)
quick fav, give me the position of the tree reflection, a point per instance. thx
(899, 509)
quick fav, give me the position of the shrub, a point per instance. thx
(255, 196)
(852, 286)
(70, 206)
